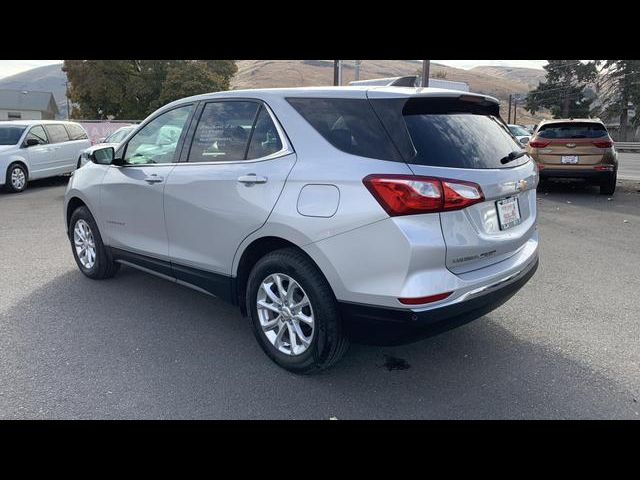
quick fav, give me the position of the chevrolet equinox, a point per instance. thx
(326, 214)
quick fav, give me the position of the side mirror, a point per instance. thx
(31, 142)
(103, 156)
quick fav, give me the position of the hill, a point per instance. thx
(298, 73)
(528, 76)
(49, 78)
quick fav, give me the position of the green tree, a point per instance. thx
(618, 87)
(564, 88)
(132, 89)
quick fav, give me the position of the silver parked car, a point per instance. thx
(378, 214)
(521, 133)
(33, 149)
(112, 140)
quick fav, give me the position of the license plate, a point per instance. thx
(569, 159)
(508, 212)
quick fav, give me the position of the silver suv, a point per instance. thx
(379, 214)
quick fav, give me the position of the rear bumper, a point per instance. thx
(591, 174)
(387, 326)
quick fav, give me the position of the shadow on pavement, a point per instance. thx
(35, 185)
(140, 347)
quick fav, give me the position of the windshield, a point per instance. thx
(10, 134)
(518, 131)
(118, 135)
(572, 130)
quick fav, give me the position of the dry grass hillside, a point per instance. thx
(298, 73)
(529, 76)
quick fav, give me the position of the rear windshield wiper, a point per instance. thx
(513, 156)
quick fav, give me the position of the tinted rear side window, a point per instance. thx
(572, 130)
(349, 124)
(57, 133)
(448, 132)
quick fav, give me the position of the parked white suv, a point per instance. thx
(32, 149)
(380, 214)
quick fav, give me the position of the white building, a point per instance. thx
(27, 105)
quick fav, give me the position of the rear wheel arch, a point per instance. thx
(254, 252)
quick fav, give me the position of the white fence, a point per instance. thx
(627, 146)
(98, 129)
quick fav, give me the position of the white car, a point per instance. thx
(521, 133)
(32, 149)
(113, 140)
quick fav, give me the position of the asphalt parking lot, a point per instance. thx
(566, 346)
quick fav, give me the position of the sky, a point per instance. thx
(11, 67)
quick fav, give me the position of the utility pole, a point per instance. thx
(426, 64)
(336, 72)
(509, 120)
(66, 83)
(357, 70)
(515, 104)
(339, 73)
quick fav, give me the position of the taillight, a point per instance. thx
(409, 194)
(538, 144)
(603, 144)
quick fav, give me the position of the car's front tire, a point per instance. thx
(16, 179)
(91, 256)
(293, 313)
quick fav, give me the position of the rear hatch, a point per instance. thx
(571, 144)
(463, 138)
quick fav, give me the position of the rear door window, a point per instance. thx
(572, 130)
(349, 124)
(224, 131)
(265, 139)
(448, 132)
(57, 133)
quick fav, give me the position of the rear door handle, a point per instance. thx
(251, 179)
(154, 179)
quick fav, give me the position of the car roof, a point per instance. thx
(336, 92)
(36, 122)
(571, 120)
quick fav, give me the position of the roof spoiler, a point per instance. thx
(406, 81)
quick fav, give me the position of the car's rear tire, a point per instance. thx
(91, 256)
(17, 178)
(279, 283)
(608, 186)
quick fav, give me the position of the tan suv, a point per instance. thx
(575, 148)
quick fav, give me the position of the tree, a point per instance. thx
(564, 89)
(618, 87)
(132, 89)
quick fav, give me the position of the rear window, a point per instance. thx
(449, 132)
(572, 130)
(349, 124)
(76, 132)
